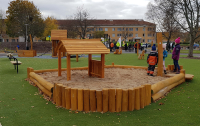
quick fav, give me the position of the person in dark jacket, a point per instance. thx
(152, 60)
(175, 55)
(126, 47)
(135, 46)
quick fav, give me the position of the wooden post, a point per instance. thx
(142, 96)
(54, 93)
(59, 63)
(76, 57)
(111, 99)
(93, 103)
(59, 94)
(68, 67)
(89, 64)
(29, 69)
(68, 97)
(160, 54)
(99, 101)
(137, 98)
(74, 99)
(151, 43)
(102, 65)
(80, 99)
(131, 99)
(125, 100)
(86, 104)
(181, 67)
(63, 97)
(148, 94)
(31, 42)
(118, 100)
(105, 100)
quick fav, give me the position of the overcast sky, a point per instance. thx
(98, 9)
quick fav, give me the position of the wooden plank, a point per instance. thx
(80, 99)
(93, 104)
(74, 99)
(86, 105)
(111, 100)
(102, 65)
(160, 54)
(118, 100)
(125, 100)
(68, 97)
(105, 100)
(99, 101)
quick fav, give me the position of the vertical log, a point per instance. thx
(137, 98)
(172, 67)
(74, 99)
(99, 101)
(148, 94)
(68, 68)
(89, 64)
(68, 97)
(28, 71)
(80, 99)
(76, 57)
(102, 65)
(160, 55)
(59, 63)
(131, 99)
(125, 100)
(111, 99)
(118, 100)
(63, 97)
(169, 67)
(181, 67)
(105, 100)
(142, 96)
(86, 104)
(93, 104)
(59, 94)
(54, 93)
(183, 71)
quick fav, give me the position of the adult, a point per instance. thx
(135, 46)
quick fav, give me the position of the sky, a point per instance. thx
(98, 9)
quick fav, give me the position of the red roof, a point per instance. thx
(112, 22)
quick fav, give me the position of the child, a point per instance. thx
(175, 55)
(164, 56)
(152, 60)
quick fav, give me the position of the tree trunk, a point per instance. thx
(190, 53)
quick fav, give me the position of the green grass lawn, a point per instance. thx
(187, 51)
(20, 104)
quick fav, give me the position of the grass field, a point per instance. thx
(21, 105)
(187, 51)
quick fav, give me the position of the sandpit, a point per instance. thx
(114, 78)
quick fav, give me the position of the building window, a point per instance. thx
(130, 29)
(118, 35)
(126, 29)
(149, 29)
(130, 35)
(92, 29)
(96, 29)
(106, 29)
(136, 29)
(149, 40)
(143, 29)
(143, 35)
(143, 40)
(100, 29)
(113, 29)
(136, 35)
(119, 29)
(113, 35)
(149, 35)
(13, 40)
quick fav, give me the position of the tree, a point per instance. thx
(163, 13)
(188, 19)
(125, 33)
(98, 34)
(50, 24)
(2, 23)
(81, 22)
(22, 12)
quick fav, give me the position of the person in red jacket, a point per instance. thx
(152, 60)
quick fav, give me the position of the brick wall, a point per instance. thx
(40, 47)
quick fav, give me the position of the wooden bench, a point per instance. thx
(16, 63)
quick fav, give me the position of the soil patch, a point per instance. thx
(114, 78)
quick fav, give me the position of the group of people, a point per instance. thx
(152, 58)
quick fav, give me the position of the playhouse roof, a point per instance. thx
(58, 34)
(86, 46)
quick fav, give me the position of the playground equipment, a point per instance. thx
(27, 53)
(141, 55)
(117, 51)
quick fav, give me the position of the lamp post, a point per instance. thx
(26, 37)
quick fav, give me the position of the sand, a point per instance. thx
(114, 78)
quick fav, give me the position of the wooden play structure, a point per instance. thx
(27, 53)
(141, 56)
(117, 51)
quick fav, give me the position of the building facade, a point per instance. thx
(128, 29)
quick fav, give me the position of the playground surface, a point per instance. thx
(130, 78)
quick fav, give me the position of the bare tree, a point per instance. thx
(125, 33)
(188, 19)
(163, 13)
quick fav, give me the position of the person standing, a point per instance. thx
(152, 60)
(111, 46)
(175, 55)
(164, 56)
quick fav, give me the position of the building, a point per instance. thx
(135, 29)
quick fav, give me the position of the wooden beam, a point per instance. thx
(59, 63)
(102, 65)
(89, 64)
(160, 54)
(76, 57)
(68, 68)
(31, 42)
